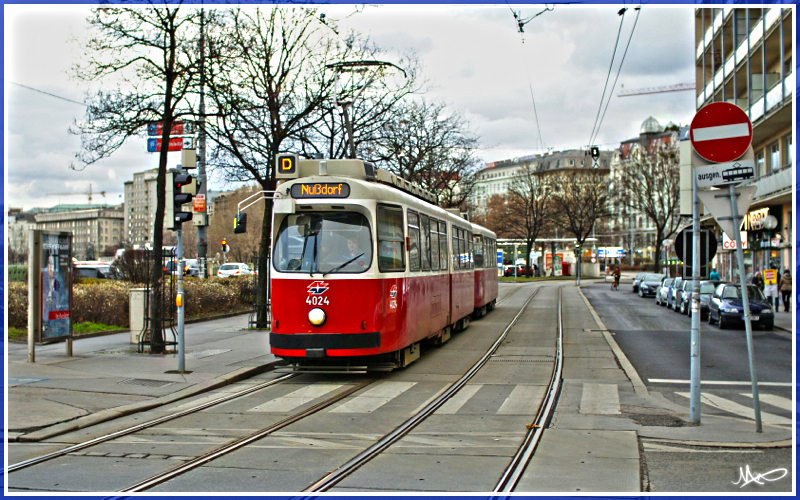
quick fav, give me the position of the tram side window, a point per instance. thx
(455, 248)
(425, 241)
(468, 249)
(442, 245)
(462, 261)
(413, 235)
(434, 241)
(390, 239)
(491, 254)
(478, 249)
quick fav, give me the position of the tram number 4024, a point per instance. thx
(317, 301)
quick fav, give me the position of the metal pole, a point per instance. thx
(746, 305)
(202, 230)
(181, 364)
(694, 365)
(515, 262)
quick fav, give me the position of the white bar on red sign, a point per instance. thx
(721, 132)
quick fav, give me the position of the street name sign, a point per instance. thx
(175, 144)
(179, 127)
(721, 132)
(718, 174)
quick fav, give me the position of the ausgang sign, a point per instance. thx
(721, 132)
(731, 172)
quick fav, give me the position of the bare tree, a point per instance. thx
(425, 143)
(145, 58)
(580, 199)
(650, 185)
(268, 80)
(533, 208)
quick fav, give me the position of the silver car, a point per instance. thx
(233, 269)
(662, 290)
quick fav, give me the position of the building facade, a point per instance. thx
(96, 230)
(628, 228)
(744, 56)
(140, 208)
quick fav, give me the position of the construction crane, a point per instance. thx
(86, 193)
(657, 90)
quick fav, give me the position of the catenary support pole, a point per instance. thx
(179, 258)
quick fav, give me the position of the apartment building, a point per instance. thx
(744, 56)
(96, 230)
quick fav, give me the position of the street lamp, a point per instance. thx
(770, 222)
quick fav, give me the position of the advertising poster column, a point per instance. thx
(55, 287)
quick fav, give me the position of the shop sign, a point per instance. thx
(755, 219)
(730, 244)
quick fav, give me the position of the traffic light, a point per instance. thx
(225, 246)
(180, 190)
(240, 223)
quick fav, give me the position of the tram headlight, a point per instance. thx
(316, 317)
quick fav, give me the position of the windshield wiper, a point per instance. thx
(343, 265)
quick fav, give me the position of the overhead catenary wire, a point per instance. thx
(619, 70)
(521, 24)
(621, 13)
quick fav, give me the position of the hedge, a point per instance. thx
(107, 301)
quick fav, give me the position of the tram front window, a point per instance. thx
(324, 242)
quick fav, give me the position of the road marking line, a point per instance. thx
(737, 409)
(600, 399)
(523, 400)
(374, 398)
(297, 398)
(771, 399)
(718, 382)
(461, 397)
(652, 447)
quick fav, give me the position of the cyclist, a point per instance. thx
(616, 274)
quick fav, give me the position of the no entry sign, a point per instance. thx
(721, 132)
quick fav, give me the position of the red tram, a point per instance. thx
(365, 267)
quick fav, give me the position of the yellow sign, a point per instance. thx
(770, 276)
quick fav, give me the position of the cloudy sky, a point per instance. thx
(474, 57)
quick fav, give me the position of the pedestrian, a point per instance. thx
(758, 281)
(713, 275)
(616, 272)
(786, 289)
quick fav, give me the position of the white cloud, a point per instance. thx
(473, 56)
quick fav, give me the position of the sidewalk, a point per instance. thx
(107, 377)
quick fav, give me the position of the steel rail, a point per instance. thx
(144, 425)
(241, 442)
(365, 456)
(519, 462)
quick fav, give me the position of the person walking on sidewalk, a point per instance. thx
(714, 275)
(758, 281)
(786, 289)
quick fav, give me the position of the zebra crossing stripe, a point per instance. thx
(374, 398)
(456, 402)
(523, 400)
(771, 399)
(297, 398)
(737, 409)
(600, 399)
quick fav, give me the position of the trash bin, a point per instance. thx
(137, 312)
(565, 269)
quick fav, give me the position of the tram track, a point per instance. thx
(331, 479)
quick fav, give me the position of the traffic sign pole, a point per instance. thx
(746, 306)
(694, 362)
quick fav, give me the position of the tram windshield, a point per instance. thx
(324, 242)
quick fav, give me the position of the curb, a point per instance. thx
(24, 340)
(121, 411)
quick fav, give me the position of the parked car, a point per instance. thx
(91, 269)
(707, 288)
(676, 285)
(661, 291)
(233, 269)
(649, 283)
(677, 301)
(636, 281)
(726, 307)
